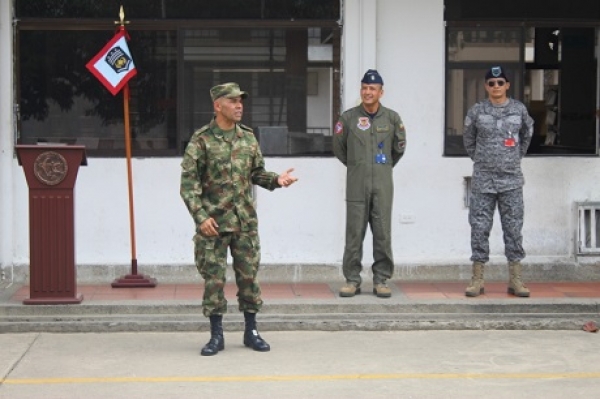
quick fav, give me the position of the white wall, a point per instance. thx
(304, 224)
(300, 224)
(6, 133)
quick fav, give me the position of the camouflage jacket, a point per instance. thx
(496, 165)
(357, 141)
(217, 175)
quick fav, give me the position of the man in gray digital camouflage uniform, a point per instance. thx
(369, 140)
(221, 163)
(496, 135)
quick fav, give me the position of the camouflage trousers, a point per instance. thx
(211, 261)
(481, 217)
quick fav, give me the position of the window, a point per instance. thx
(553, 67)
(273, 65)
(61, 101)
(279, 62)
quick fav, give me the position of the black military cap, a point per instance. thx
(496, 72)
(372, 77)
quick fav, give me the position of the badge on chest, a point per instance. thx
(511, 140)
(363, 123)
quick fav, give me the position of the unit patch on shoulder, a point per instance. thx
(363, 123)
(339, 128)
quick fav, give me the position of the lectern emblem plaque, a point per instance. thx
(50, 168)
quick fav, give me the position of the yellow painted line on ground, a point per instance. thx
(292, 378)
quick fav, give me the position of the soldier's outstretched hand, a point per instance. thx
(286, 179)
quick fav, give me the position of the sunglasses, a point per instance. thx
(493, 83)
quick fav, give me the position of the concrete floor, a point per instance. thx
(303, 364)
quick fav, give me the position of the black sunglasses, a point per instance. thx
(492, 83)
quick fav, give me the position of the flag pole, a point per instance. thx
(129, 178)
(133, 280)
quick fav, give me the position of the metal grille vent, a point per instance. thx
(588, 232)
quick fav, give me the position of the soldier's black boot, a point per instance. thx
(251, 337)
(216, 342)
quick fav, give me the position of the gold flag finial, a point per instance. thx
(121, 21)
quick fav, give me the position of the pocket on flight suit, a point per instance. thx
(355, 186)
(204, 251)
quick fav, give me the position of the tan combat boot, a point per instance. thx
(515, 285)
(349, 290)
(476, 286)
(382, 291)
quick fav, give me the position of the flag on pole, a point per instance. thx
(113, 65)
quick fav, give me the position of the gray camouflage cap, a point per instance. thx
(229, 90)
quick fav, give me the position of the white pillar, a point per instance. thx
(359, 46)
(6, 135)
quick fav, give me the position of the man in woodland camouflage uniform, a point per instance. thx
(496, 135)
(221, 163)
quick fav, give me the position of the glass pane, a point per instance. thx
(494, 45)
(479, 10)
(542, 101)
(288, 74)
(61, 101)
(561, 90)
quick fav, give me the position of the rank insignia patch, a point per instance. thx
(339, 128)
(363, 123)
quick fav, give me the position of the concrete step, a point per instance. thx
(323, 307)
(533, 314)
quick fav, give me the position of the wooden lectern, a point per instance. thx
(51, 171)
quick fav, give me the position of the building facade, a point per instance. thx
(302, 63)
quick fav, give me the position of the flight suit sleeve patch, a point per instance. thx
(339, 128)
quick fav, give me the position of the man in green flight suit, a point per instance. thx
(369, 139)
(221, 163)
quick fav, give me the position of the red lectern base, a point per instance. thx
(54, 300)
(134, 281)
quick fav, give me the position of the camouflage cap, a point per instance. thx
(229, 90)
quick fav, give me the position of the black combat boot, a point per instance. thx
(216, 342)
(251, 337)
